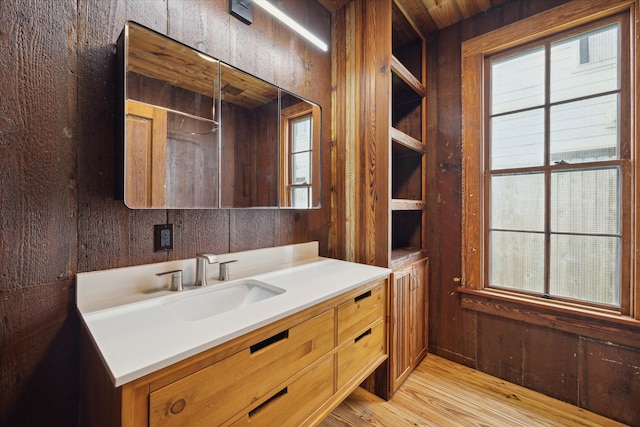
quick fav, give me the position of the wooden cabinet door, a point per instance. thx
(399, 345)
(419, 311)
(146, 147)
(408, 321)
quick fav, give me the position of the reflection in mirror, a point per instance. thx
(198, 133)
(249, 140)
(171, 126)
(299, 152)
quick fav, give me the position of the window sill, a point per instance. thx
(601, 324)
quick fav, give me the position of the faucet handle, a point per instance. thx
(176, 279)
(210, 258)
(224, 270)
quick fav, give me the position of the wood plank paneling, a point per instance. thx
(443, 14)
(452, 329)
(109, 234)
(333, 5)
(38, 355)
(341, 158)
(543, 370)
(363, 68)
(37, 145)
(545, 352)
(251, 229)
(38, 223)
(199, 231)
(500, 347)
(610, 380)
(431, 15)
(295, 72)
(199, 23)
(102, 403)
(293, 227)
(57, 134)
(378, 155)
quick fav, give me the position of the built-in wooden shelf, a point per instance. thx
(407, 172)
(407, 106)
(401, 71)
(408, 141)
(407, 205)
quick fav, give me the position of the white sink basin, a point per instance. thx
(222, 298)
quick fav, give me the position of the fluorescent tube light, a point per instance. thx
(279, 15)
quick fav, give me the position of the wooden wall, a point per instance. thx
(58, 215)
(361, 78)
(250, 151)
(602, 376)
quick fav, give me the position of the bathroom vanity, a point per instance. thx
(289, 357)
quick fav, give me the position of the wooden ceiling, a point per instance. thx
(432, 15)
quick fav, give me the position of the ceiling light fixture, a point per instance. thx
(282, 17)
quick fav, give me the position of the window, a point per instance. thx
(299, 188)
(547, 161)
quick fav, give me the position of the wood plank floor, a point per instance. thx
(443, 393)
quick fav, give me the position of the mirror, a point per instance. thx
(199, 134)
(249, 140)
(171, 126)
(299, 152)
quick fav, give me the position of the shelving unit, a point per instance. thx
(407, 141)
(380, 162)
(407, 204)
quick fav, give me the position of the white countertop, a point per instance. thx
(136, 333)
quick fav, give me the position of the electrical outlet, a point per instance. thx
(163, 237)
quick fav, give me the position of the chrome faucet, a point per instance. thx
(201, 267)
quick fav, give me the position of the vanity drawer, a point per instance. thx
(219, 391)
(361, 350)
(357, 313)
(293, 404)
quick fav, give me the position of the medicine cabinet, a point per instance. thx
(197, 133)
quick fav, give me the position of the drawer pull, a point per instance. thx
(363, 296)
(268, 401)
(271, 340)
(362, 335)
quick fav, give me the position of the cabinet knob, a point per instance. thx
(178, 406)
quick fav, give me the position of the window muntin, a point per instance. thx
(554, 169)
